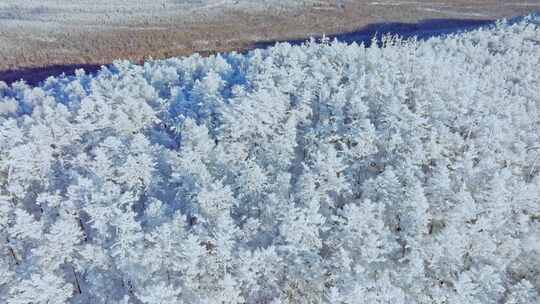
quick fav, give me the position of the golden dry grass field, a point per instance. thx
(42, 33)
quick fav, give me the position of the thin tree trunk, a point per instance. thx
(85, 238)
(76, 280)
(13, 255)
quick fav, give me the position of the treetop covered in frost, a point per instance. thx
(321, 173)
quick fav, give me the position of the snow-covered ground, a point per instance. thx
(319, 173)
(119, 11)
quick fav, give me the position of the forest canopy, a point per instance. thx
(406, 172)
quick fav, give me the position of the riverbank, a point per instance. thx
(42, 40)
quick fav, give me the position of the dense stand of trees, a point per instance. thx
(322, 173)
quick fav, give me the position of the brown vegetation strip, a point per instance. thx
(31, 52)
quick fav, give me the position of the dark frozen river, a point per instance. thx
(422, 30)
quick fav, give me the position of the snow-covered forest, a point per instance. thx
(321, 173)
